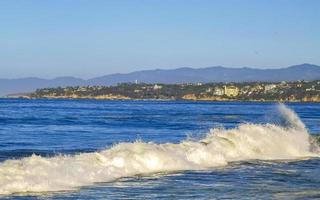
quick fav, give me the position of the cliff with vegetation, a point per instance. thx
(298, 91)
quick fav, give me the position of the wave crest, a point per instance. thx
(218, 148)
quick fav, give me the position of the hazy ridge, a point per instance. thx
(170, 76)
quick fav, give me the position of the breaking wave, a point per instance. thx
(218, 148)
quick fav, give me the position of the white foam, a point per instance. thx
(220, 147)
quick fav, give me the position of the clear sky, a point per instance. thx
(87, 38)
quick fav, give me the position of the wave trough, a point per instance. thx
(218, 148)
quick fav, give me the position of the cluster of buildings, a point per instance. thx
(248, 89)
(230, 91)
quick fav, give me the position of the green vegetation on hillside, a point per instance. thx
(255, 91)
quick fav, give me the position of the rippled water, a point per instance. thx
(52, 127)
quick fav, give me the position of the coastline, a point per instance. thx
(297, 91)
(123, 98)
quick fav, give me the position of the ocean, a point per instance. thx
(96, 149)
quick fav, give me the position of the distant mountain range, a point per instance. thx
(180, 75)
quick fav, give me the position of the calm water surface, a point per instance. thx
(53, 127)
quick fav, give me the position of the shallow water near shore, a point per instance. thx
(40, 133)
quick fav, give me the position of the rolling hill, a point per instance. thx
(179, 75)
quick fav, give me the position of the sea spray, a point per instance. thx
(218, 148)
(291, 118)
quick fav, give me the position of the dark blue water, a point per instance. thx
(52, 127)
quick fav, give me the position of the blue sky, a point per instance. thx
(87, 38)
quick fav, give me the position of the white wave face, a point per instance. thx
(220, 147)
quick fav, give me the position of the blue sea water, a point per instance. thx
(50, 128)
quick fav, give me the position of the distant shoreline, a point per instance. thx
(297, 91)
(186, 100)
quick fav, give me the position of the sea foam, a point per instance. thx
(218, 148)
